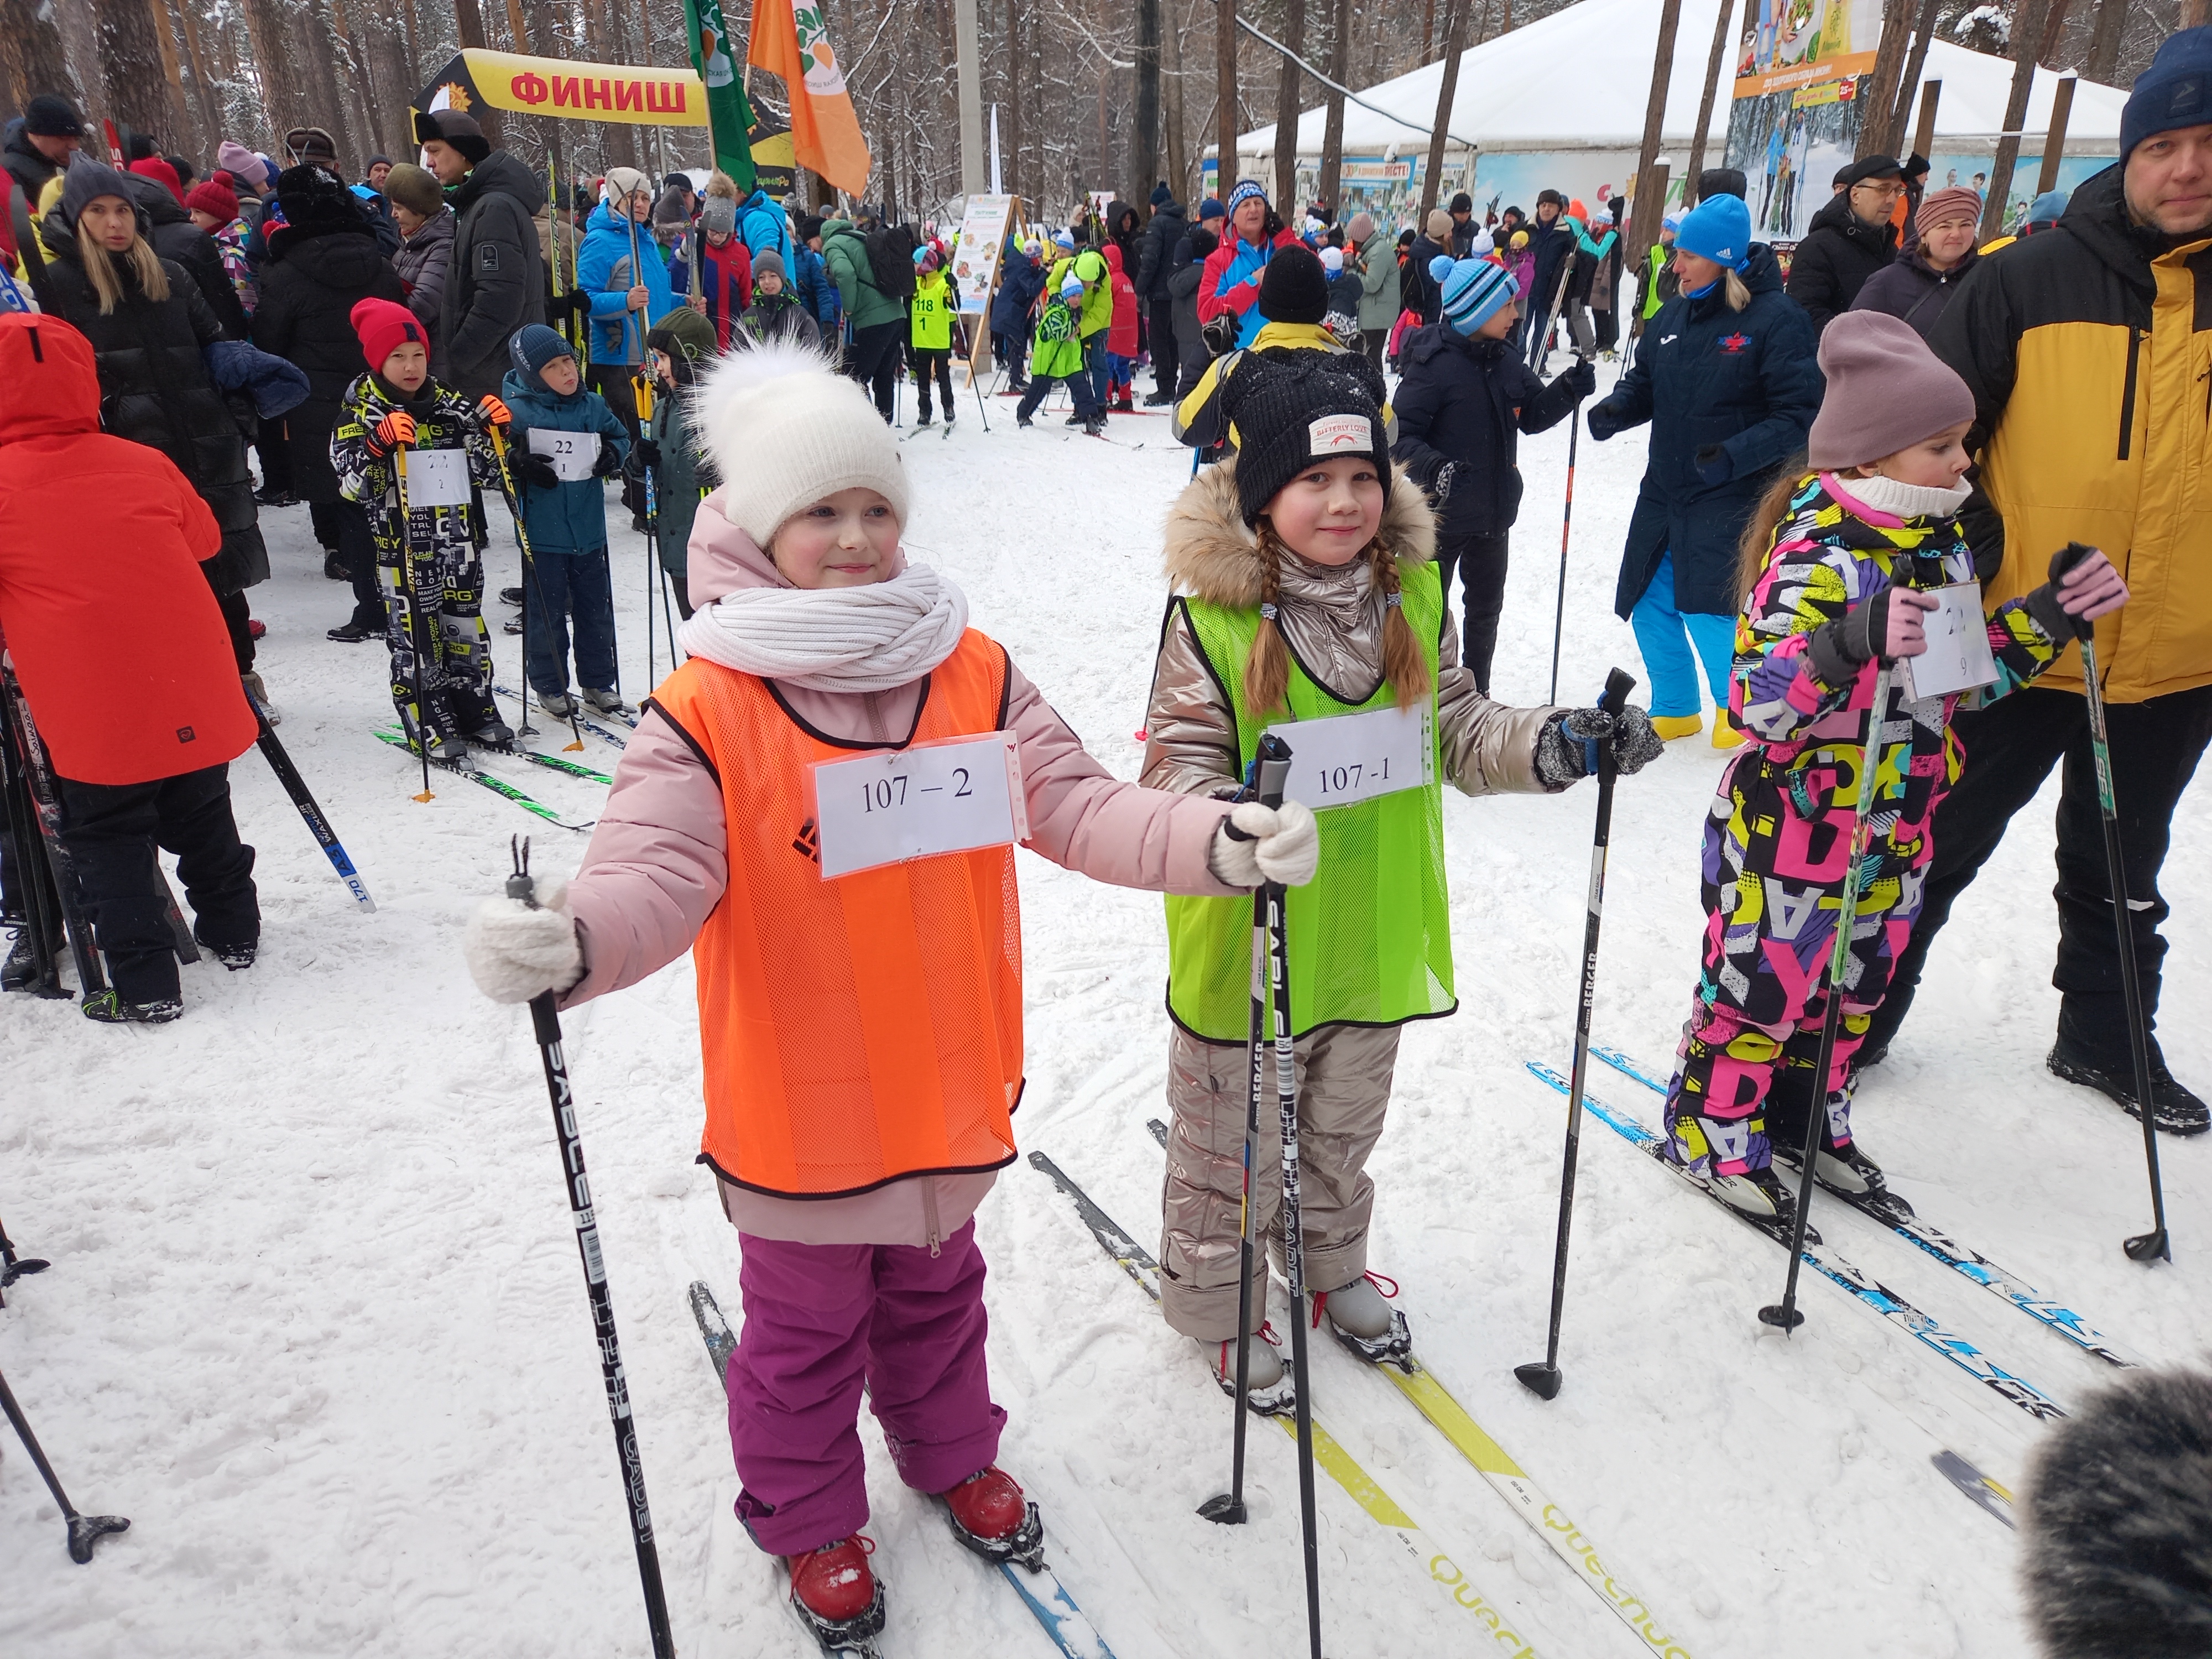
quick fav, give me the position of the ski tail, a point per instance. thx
(497, 786)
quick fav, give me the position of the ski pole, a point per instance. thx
(42, 908)
(1286, 1100)
(84, 1530)
(547, 1021)
(2154, 1245)
(1785, 1316)
(529, 580)
(1540, 351)
(318, 826)
(1544, 1379)
(13, 1266)
(1566, 530)
(1273, 768)
(415, 628)
(46, 806)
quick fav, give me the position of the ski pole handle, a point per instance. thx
(1617, 685)
(1274, 758)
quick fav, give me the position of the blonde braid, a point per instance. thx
(1404, 666)
(1267, 670)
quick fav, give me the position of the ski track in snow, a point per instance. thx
(314, 1321)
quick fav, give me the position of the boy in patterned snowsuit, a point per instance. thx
(1851, 548)
(442, 570)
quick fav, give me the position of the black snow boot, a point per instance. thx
(2174, 1108)
(110, 1009)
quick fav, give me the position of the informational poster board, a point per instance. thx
(1795, 117)
(982, 244)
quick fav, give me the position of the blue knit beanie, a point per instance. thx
(1247, 190)
(534, 346)
(1474, 290)
(2175, 91)
(1211, 207)
(2047, 207)
(1718, 228)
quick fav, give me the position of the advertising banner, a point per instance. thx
(1795, 117)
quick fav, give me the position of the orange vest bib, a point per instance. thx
(857, 1031)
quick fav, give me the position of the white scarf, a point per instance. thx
(875, 638)
(1905, 500)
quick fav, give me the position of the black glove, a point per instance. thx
(610, 457)
(1582, 377)
(1220, 333)
(1839, 649)
(576, 303)
(2042, 602)
(1714, 465)
(537, 472)
(1566, 749)
(1441, 489)
(1604, 421)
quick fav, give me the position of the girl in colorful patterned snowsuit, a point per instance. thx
(1306, 587)
(1840, 561)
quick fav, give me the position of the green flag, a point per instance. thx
(729, 117)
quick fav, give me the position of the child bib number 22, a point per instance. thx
(1353, 757)
(893, 805)
(437, 478)
(573, 454)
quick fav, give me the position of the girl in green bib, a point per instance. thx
(1305, 592)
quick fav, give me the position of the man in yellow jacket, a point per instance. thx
(2089, 353)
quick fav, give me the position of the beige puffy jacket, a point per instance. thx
(1333, 621)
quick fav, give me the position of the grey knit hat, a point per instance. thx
(1887, 391)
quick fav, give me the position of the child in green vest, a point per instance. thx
(1305, 589)
(1059, 357)
(931, 314)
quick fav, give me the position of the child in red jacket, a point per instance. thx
(127, 669)
(1123, 343)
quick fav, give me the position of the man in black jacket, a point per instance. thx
(39, 144)
(1555, 245)
(496, 282)
(1850, 240)
(1155, 262)
(1464, 398)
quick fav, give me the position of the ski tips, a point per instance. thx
(86, 1530)
(2153, 1246)
(1225, 1508)
(1540, 1379)
(1782, 1316)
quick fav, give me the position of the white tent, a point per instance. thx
(1573, 87)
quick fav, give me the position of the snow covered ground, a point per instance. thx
(314, 1321)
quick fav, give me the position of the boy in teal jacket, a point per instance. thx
(566, 440)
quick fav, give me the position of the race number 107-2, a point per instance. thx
(919, 802)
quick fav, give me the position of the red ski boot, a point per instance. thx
(835, 1595)
(990, 1516)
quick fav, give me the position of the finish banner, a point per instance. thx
(570, 90)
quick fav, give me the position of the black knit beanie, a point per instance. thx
(1294, 288)
(316, 200)
(1292, 408)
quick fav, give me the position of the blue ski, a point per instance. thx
(1829, 1264)
(1972, 1264)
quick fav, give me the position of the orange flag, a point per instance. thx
(789, 38)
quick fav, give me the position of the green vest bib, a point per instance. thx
(1371, 935)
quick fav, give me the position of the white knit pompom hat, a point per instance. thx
(786, 429)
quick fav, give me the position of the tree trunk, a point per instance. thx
(134, 93)
(1178, 135)
(1432, 174)
(203, 100)
(1647, 209)
(617, 140)
(1145, 122)
(1332, 137)
(1718, 56)
(314, 44)
(1018, 75)
(32, 57)
(468, 17)
(2027, 36)
(272, 67)
(1908, 84)
(1286, 112)
(1881, 87)
(372, 111)
(2105, 42)
(1224, 114)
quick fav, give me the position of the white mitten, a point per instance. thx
(1277, 843)
(515, 952)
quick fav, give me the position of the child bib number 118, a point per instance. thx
(898, 803)
(1353, 757)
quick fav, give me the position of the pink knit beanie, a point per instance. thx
(1887, 391)
(1949, 202)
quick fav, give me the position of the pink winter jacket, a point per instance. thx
(659, 860)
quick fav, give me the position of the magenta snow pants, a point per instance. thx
(820, 1320)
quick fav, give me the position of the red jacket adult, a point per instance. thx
(725, 277)
(1122, 337)
(1231, 281)
(114, 630)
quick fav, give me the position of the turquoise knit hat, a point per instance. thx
(1718, 228)
(1474, 290)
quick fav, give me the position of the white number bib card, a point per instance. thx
(1354, 757)
(437, 478)
(573, 454)
(892, 804)
(1958, 657)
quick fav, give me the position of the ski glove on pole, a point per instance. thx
(492, 412)
(537, 472)
(515, 953)
(396, 428)
(1258, 843)
(1582, 379)
(610, 457)
(1884, 626)
(2083, 586)
(1566, 749)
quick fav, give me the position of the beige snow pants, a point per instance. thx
(1344, 1087)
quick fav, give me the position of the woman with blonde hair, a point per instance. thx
(1727, 376)
(149, 324)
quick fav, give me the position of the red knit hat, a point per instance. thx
(384, 327)
(156, 168)
(213, 197)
